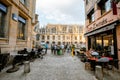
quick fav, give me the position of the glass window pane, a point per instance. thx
(2, 23)
(93, 43)
(108, 45)
(21, 31)
(108, 5)
(22, 1)
(99, 43)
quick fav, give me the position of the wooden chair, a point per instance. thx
(87, 66)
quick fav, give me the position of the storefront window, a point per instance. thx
(108, 45)
(99, 43)
(93, 43)
(102, 43)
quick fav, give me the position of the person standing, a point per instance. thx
(52, 48)
(46, 47)
(55, 49)
(62, 48)
(73, 50)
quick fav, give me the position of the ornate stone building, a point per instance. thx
(17, 20)
(62, 34)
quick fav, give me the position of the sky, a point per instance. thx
(60, 11)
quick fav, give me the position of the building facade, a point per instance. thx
(35, 32)
(17, 19)
(103, 27)
(62, 34)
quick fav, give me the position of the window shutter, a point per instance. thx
(114, 7)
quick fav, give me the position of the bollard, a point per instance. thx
(26, 67)
(99, 72)
(87, 66)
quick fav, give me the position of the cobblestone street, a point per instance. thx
(52, 67)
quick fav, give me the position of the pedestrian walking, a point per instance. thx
(46, 47)
(62, 49)
(55, 49)
(68, 48)
(58, 49)
(32, 54)
(52, 48)
(73, 50)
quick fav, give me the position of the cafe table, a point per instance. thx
(101, 61)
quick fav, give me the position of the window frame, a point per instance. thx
(104, 7)
(43, 37)
(21, 30)
(2, 24)
(23, 2)
(53, 37)
(91, 16)
(48, 37)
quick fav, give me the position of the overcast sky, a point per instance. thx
(60, 11)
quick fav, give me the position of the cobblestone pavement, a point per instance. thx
(52, 67)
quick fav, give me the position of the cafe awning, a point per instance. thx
(103, 29)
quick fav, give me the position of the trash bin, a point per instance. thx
(26, 67)
(61, 52)
(58, 52)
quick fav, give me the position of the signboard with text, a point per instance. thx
(105, 20)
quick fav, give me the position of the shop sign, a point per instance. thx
(108, 18)
(109, 27)
(95, 25)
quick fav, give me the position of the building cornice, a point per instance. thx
(11, 2)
